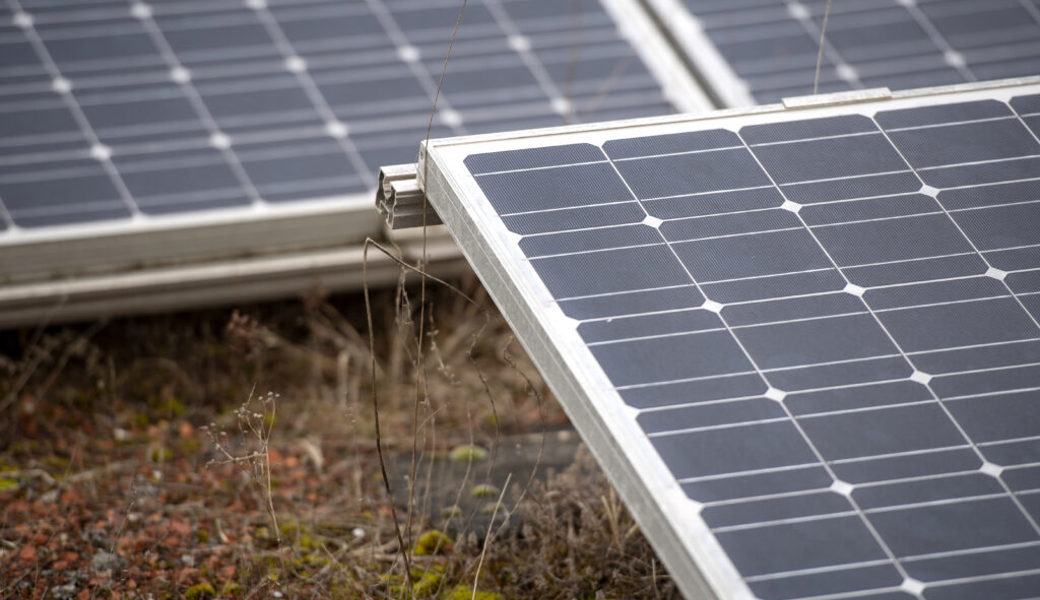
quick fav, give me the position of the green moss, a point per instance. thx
(485, 490)
(202, 591)
(160, 454)
(432, 542)
(6, 484)
(468, 453)
(464, 592)
(451, 512)
(167, 407)
(54, 464)
(427, 584)
(189, 446)
(492, 508)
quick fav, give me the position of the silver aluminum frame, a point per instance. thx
(670, 520)
(45, 263)
(686, 32)
(637, 26)
(215, 283)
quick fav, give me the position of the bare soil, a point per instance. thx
(232, 453)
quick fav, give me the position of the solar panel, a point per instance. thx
(803, 342)
(750, 51)
(138, 134)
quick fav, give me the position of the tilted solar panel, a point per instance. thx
(751, 51)
(803, 342)
(137, 133)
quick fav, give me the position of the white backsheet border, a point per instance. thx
(670, 520)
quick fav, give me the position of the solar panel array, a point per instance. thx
(826, 329)
(113, 110)
(772, 45)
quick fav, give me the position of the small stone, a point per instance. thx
(64, 592)
(105, 561)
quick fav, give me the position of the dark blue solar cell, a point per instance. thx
(670, 358)
(925, 464)
(633, 302)
(939, 527)
(1001, 226)
(1004, 588)
(934, 293)
(682, 321)
(696, 141)
(967, 142)
(942, 114)
(932, 490)
(868, 209)
(890, 430)
(978, 322)
(683, 174)
(1011, 452)
(710, 415)
(865, 186)
(724, 225)
(513, 160)
(734, 449)
(79, 191)
(713, 203)
(815, 341)
(590, 239)
(631, 268)
(986, 382)
(554, 188)
(835, 541)
(905, 239)
(857, 372)
(994, 418)
(575, 218)
(752, 255)
(707, 389)
(811, 128)
(1026, 105)
(759, 484)
(989, 195)
(776, 509)
(960, 265)
(857, 397)
(974, 564)
(831, 582)
(821, 280)
(829, 158)
(792, 308)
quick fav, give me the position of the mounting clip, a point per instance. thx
(400, 200)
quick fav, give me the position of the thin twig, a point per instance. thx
(419, 379)
(487, 536)
(823, 39)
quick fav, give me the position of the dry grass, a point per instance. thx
(135, 462)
